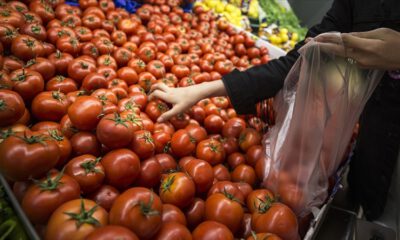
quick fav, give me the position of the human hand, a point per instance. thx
(373, 49)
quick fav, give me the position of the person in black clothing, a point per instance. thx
(379, 136)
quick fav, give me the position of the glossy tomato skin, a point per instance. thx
(202, 174)
(112, 232)
(229, 188)
(233, 127)
(249, 137)
(195, 213)
(27, 155)
(276, 218)
(122, 168)
(253, 154)
(12, 107)
(211, 151)
(104, 196)
(26, 47)
(214, 123)
(167, 162)
(244, 173)
(212, 230)
(221, 173)
(182, 143)
(50, 106)
(150, 173)
(45, 196)
(268, 236)
(84, 112)
(85, 143)
(224, 208)
(173, 230)
(62, 227)
(62, 84)
(178, 189)
(256, 198)
(171, 213)
(114, 131)
(143, 144)
(27, 83)
(138, 209)
(87, 171)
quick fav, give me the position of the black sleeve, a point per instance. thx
(249, 87)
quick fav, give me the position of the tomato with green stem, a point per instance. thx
(212, 230)
(27, 155)
(249, 137)
(257, 197)
(150, 173)
(182, 143)
(62, 84)
(12, 107)
(60, 61)
(173, 230)
(177, 189)
(143, 144)
(155, 108)
(114, 131)
(44, 196)
(63, 144)
(87, 170)
(75, 219)
(138, 209)
(84, 113)
(50, 106)
(27, 83)
(79, 68)
(35, 30)
(210, 150)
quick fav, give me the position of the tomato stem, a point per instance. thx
(166, 184)
(84, 216)
(146, 209)
(90, 166)
(50, 184)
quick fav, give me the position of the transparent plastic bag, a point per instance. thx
(317, 109)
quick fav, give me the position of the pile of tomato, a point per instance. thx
(80, 142)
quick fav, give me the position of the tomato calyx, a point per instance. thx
(54, 134)
(167, 147)
(6, 133)
(30, 62)
(90, 166)
(265, 204)
(147, 138)
(231, 196)
(146, 209)
(84, 65)
(34, 139)
(5, 13)
(118, 120)
(36, 29)
(50, 184)
(58, 54)
(3, 105)
(60, 78)
(57, 95)
(162, 107)
(135, 120)
(166, 184)
(84, 216)
(29, 43)
(11, 33)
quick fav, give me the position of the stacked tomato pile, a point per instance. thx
(80, 141)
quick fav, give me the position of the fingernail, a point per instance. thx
(160, 119)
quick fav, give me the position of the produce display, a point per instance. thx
(80, 142)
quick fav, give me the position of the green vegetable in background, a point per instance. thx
(10, 227)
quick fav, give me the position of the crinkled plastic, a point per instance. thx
(320, 103)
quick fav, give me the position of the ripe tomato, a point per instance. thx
(112, 232)
(202, 174)
(12, 107)
(122, 168)
(27, 155)
(229, 188)
(79, 68)
(47, 194)
(233, 127)
(69, 45)
(213, 123)
(253, 154)
(156, 68)
(162, 142)
(197, 113)
(27, 83)
(143, 144)
(114, 131)
(166, 161)
(249, 137)
(178, 189)
(211, 150)
(257, 197)
(50, 106)
(60, 61)
(26, 47)
(224, 208)
(275, 218)
(155, 108)
(84, 112)
(182, 143)
(221, 173)
(150, 173)
(75, 219)
(138, 209)
(180, 71)
(244, 173)
(180, 120)
(87, 171)
(197, 132)
(235, 159)
(212, 230)
(63, 144)
(173, 230)
(171, 213)
(85, 143)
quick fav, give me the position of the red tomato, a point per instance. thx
(221, 173)
(249, 137)
(155, 108)
(211, 150)
(197, 132)
(122, 168)
(75, 219)
(229, 188)
(87, 171)
(212, 230)
(138, 209)
(244, 173)
(178, 189)
(114, 131)
(79, 68)
(235, 159)
(275, 218)
(26, 47)
(267, 236)
(143, 144)
(42, 66)
(162, 142)
(254, 153)
(47, 194)
(257, 197)
(166, 161)
(233, 127)
(172, 231)
(224, 208)
(84, 112)
(63, 144)
(105, 196)
(27, 83)
(202, 174)
(150, 173)
(12, 107)
(62, 84)
(171, 213)
(27, 155)
(195, 213)
(213, 123)
(112, 232)
(182, 143)
(51, 106)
